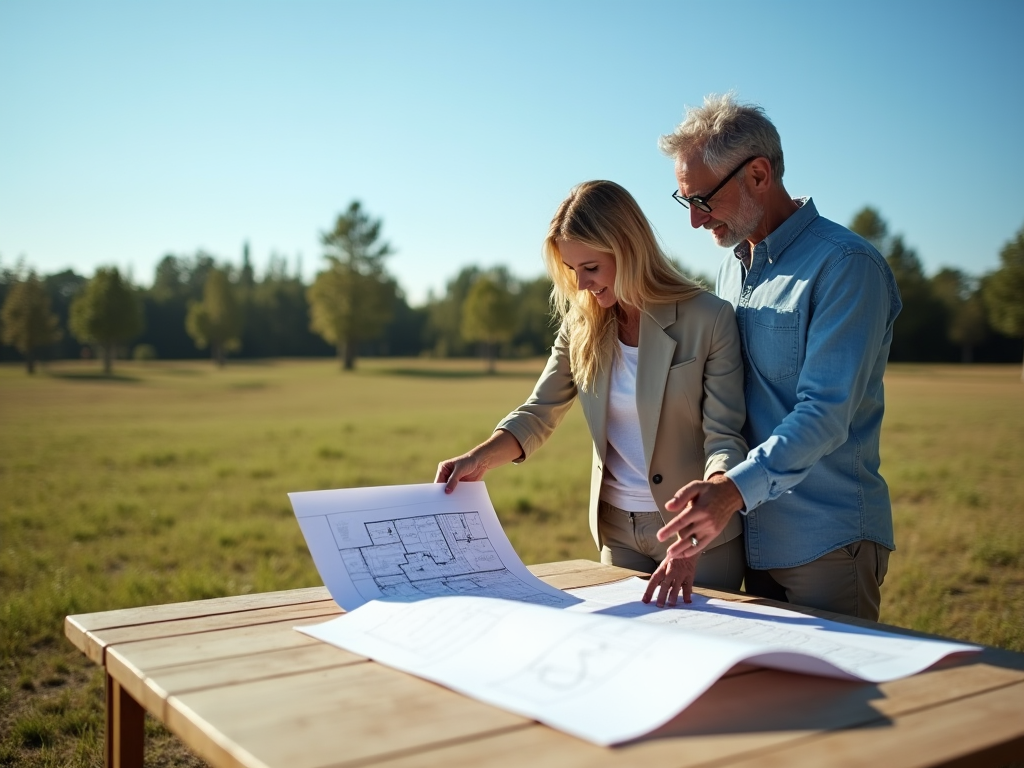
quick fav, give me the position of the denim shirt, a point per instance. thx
(815, 314)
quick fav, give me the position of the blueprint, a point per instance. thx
(784, 639)
(584, 670)
(434, 588)
(413, 542)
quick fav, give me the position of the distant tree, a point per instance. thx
(177, 281)
(535, 332)
(247, 275)
(353, 299)
(917, 333)
(106, 313)
(1003, 290)
(216, 321)
(919, 330)
(444, 315)
(488, 316)
(966, 327)
(63, 287)
(869, 224)
(277, 316)
(27, 322)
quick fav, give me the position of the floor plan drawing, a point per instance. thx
(429, 556)
(414, 542)
(418, 571)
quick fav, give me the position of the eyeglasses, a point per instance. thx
(702, 202)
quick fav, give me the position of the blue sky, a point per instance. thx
(132, 130)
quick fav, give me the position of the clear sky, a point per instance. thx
(131, 130)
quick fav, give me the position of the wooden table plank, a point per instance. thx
(976, 731)
(738, 717)
(218, 644)
(317, 718)
(95, 641)
(239, 685)
(195, 608)
(540, 570)
(153, 688)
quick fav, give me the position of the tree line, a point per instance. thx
(354, 307)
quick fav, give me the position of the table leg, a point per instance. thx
(126, 728)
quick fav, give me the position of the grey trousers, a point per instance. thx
(845, 580)
(631, 541)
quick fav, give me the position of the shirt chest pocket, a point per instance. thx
(773, 342)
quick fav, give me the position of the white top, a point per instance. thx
(625, 482)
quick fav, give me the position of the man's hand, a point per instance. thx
(672, 576)
(704, 510)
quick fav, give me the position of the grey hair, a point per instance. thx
(725, 132)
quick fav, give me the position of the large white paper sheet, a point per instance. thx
(434, 588)
(411, 542)
(600, 678)
(776, 637)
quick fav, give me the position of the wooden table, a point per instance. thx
(237, 684)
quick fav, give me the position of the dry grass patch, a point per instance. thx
(168, 483)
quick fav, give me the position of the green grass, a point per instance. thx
(168, 483)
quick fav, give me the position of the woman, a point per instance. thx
(654, 360)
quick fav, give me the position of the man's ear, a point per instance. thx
(759, 174)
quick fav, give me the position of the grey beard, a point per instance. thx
(747, 218)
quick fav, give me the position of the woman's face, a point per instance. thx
(594, 270)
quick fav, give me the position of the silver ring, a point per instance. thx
(693, 541)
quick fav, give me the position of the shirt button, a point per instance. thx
(656, 479)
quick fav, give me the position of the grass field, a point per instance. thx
(168, 482)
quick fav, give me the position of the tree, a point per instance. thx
(216, 321)
(444, 315)
(535, 332)
(1003, 290)
(106, 313)
(488, 316)
(869, 224)
(915, 335)
(277, 316)
(965, 312)
(353, 299)
(62, 288)
(28, 322)
(178, 280)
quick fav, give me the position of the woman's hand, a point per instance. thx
(500, 448)
(466, 467)
(673, 575)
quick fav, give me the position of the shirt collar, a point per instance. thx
(784, 234)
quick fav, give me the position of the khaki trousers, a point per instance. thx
(631, 541)
(845, 580)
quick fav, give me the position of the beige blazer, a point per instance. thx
(689, 393)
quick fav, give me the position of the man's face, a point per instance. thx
(735, 214)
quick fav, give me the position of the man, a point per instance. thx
(815, 305)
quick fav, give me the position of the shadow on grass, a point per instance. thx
(180, 371)
(119, 378)
(434, 373)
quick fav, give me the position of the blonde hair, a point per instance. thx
(724, 131)
(604, 216)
